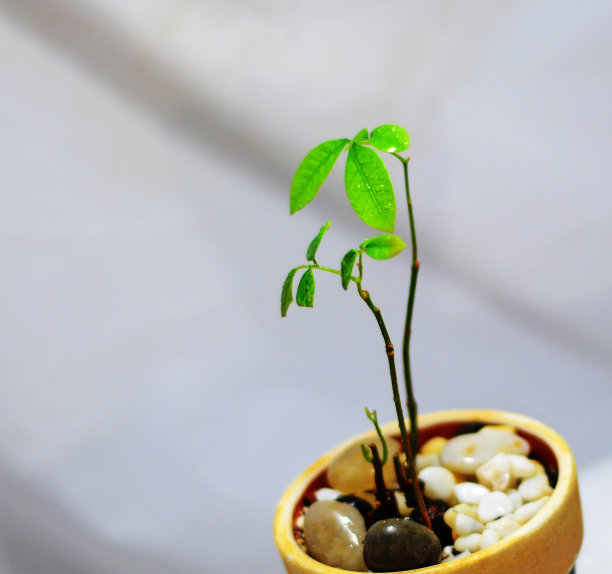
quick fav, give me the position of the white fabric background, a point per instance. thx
(154, 406)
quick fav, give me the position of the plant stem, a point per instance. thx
(396, 396)
(414, 272)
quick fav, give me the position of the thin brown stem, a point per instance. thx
(396, 399)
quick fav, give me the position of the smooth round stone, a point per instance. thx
(470, 492)
(515, 498)
(465, 524)
(494, 505)
(535, 487)
(489, 537)
(521, 466)
(400, 544)
(504, 526)
(351, 472)
(439, 482)
(465, 453)
(333, 533)
(528, 511)
(495, 474)
(470, 542)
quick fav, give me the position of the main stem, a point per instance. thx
(408, 451)
(414, 272)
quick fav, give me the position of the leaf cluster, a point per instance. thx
(379, 247)
(367, 181)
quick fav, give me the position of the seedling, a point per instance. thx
(370, 192)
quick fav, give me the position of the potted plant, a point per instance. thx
(450, 492)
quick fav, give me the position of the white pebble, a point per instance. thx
(470, 492)
(535, 487)
(455, 556)
(470, 542)
(400, 500)
(527, 511)
(504, 526)
(494, 505)
(439, 482)
(327, 494)
(495, 474)
(489, 537)
(465, 524)
(465, 453)
(426, 460)
(515, 498)
(521, 466)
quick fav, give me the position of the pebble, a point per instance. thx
(327, 494)
(439, 483)
(400, 544)
(470, 492)
(400, 501)
(504, 490)
(425, 460)
(535, 487)
(527, 511)
(521, 466)
(456, 556)
(351, 472)
(504, 526)
(489, 537)
(465, 453)
(470, 542)
(515, 498)
(493, 505)
(465, 524)
(433, 445)
(451, 515)
(333, 533)
(495, 474)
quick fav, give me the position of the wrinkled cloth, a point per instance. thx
(154, 405)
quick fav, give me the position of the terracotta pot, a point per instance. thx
(546, 544)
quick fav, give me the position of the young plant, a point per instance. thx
(370, 192)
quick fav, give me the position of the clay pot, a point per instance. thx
(546, 544)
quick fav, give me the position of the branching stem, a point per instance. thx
(396, 396)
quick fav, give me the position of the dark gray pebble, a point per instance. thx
(400, 544)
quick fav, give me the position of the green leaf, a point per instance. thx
(390, 138)
(383, 246)
(346, 267)
(314, 244)
(306, 289)
(287, 292)
(312, 172)
(361, 136)
(369, 188)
